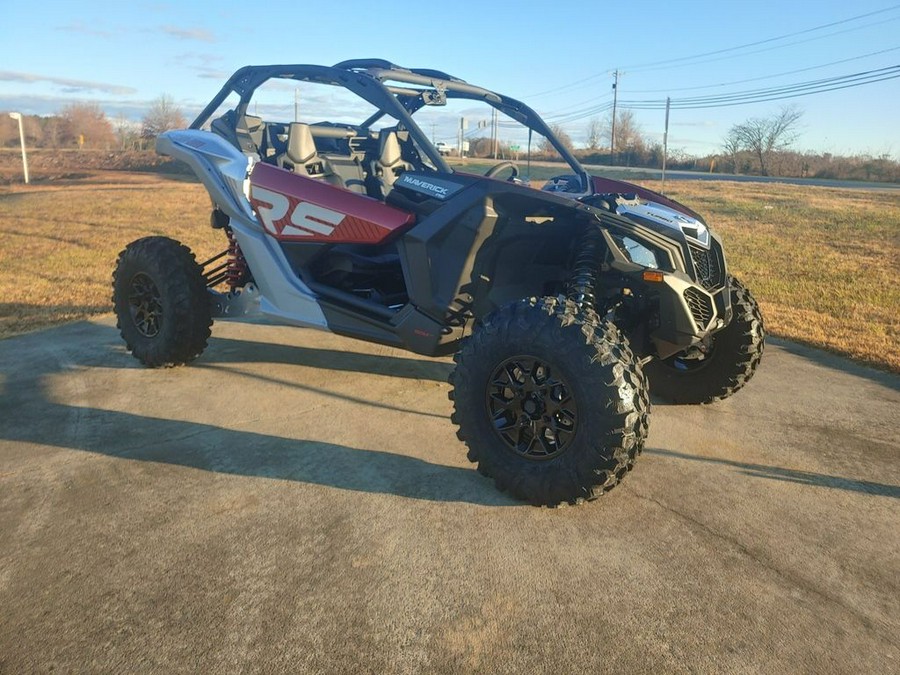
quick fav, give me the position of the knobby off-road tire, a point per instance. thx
(734, 356)
(161, 302)
(553, 406)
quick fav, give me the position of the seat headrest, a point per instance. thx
(301, 147)
(252, 123)
(389, 148)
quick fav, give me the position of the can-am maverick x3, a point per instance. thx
(557, 303)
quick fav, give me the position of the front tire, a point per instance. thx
(734, 355)
(162, 306)
(551, 404)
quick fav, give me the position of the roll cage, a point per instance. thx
(395, 91)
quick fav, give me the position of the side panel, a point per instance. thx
(297, 208)
(223, 170)
(220, 166)
(284, 297)
(491, 240)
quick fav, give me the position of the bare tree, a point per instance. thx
(594, 133)
(9, 131)
(545, 147)
(628, 132)
(127, 132)
(163, 115)
(34, 132)
(764, 136)
(480, 147)
(732, 147)
(53, 129)
(85, 124)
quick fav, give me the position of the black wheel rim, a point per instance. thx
(145, 306)
(531, 408)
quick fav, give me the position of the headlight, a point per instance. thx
(636, 252)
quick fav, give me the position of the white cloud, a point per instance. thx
(68, 85)
(198, 34)
(80, 27)
(51, 105)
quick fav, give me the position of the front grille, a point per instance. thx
(700, 305)
(708, 266)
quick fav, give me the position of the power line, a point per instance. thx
(773, 39)
(812, 84)
(772, 93)
(762, 77)
(672, 65)
(570, 85)
(568, 110)
(667, 62)
(592, 110)
(791, 95)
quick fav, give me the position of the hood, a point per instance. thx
(609, 186)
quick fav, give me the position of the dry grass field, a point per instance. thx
(59, 240)
(823, 262)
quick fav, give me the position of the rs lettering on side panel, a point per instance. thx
(277, 207)
(306, 219)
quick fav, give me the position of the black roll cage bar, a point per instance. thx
(367, 77)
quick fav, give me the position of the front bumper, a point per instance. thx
(686, 297)
(687, 313)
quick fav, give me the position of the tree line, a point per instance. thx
(85, 125)
(757, 146)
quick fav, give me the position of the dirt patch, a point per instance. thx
(48, 166)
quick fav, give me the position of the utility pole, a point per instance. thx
(666, 142)
(494, 132)
(463, 125)
(297, 105)
(612, 135)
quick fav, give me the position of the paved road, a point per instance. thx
(298, 502)
(641, 173)
(637, 173)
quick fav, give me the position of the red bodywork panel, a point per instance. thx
(609, 185)
(297, 208)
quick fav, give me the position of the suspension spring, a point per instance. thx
(582, 284)
(237, 273)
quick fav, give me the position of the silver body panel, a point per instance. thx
(224, 172)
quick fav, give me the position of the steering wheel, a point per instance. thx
(497, 168)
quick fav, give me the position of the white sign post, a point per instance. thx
(18, 116)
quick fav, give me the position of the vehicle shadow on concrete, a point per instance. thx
(229, 350)
(29, 363)
(789, 475)
(224, 354)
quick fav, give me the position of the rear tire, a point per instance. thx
(162, 306)
(735, 354)
(551, 404)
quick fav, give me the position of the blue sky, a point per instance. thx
(557, 56)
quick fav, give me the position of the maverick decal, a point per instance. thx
(431, 187)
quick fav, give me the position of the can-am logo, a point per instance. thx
(306, 220)
(437, 190)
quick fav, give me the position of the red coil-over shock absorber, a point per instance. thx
(234, 269)
(236, 273)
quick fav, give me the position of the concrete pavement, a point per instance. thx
(298, 502)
